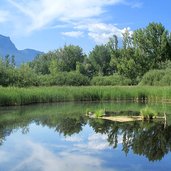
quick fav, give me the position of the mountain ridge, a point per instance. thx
(7, 47)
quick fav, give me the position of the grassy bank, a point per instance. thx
(22, 96)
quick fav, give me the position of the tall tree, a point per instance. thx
(68, 57)
(127, 39)
(100, 59)
(152, 45)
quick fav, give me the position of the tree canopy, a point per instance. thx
(130, 58)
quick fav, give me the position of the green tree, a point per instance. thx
(53, 68)
(100, 59)
(42, 62)
(13, 64)
(113, 43)
(152, 45)
(127, 39)
(68, 57)
(26, 76)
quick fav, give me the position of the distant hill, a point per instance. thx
(7, 47)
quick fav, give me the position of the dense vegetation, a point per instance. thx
(23, 96)
(146, 51)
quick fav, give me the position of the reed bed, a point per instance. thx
(11, 96)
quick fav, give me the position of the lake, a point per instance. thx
(59, 137)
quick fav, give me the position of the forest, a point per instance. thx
(140, 58)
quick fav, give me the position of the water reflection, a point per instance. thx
(51, 138)
(41, 158)
(152, 140)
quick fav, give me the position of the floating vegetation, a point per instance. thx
(99, 113)
(148, 113)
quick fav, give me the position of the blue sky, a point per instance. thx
(49, 24)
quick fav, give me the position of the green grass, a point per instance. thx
(99, 113)
(22, 96)
(148, 113)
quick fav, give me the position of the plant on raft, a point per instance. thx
(148, 113)
(99, 113)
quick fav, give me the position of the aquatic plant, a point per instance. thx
(148, 113)
(22, 96)
(99, 113)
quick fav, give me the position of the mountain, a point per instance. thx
(7, 47)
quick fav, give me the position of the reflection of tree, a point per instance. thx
(66, 124)
(152, 140)
(69, 126)
(7, 128)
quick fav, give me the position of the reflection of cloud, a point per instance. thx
(43, 159)
(120, 139)
(95, 142)
(4, 156)
(73, 139)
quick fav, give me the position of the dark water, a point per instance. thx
(59, 137)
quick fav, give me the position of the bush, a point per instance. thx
(70, 78)
(110, 80)
(157, 78)
(99, 113)
(148, 113)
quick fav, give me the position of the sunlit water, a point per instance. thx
(58, 137)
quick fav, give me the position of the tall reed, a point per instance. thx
(22, 96)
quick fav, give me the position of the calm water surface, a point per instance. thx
(58, 137)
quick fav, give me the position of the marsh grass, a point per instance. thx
(99, 113)
(148, 113)
(23, 96)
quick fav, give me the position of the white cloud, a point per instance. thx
(4, 16)
(73, 33)
(101, 32)
(44, 12)
(137, 5)
(82, 16)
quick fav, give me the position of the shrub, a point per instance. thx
(152, 77)
(99, 113)
(110, 80)
(70, 78)
(148, 113)
(157, 78)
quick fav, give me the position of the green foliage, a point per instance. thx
(124, 63)
(26, 77)
(99, 113)
(22, 96)
(68, 57)
(70, 78)
(157, 78)
(113, 80)
(152, 44)
(42, 63)
(100, 59)
(146, 49)
(148, 113)
(152, 77)
(63, 59)
(8, 72)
